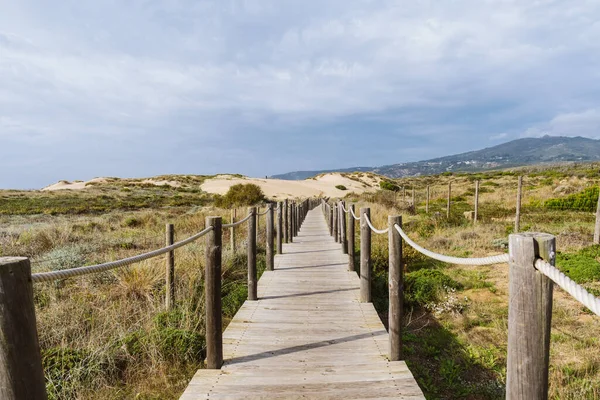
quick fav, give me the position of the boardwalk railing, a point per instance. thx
(532, 275)
(21, 372)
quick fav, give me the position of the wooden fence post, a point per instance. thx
(365, 256)
(279, 228)
(21, 373)
(212, 294)
(518, 212)
(257, 224)
(427, 201)
(269, 233)
(529, 316)
(232, 231)
(351, 240)
(331, 220)
(285, 221)
(414, 200)
(291, 222)
(476, 201)
(336, 214)
(252, 275)
(597, 226)
(449, 195)
(344, 231)
(170, 268)
(396, 287)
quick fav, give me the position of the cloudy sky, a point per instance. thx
(138, 88)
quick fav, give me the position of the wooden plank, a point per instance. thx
(307, 335)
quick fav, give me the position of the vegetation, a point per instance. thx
(240, 195)
(341, 187)
(585, 200)
(387, 185)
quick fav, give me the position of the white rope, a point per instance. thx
(501, 258)
(234, 224)
(344, 208)
(354, 215)
(263, 213)
(69, 273)
(379, 231)
(573, 288)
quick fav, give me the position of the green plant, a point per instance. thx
(341, 187)
(585, 200)
(582, 266)
(427, 285)
(387, 185)
(240, 195)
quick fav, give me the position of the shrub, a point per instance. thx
(240, 195)
(585, 200)
(427, 286)
(341, 187)
(131, 222)
(582, 266)
(387, 185)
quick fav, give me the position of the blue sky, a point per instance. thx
(139, 88)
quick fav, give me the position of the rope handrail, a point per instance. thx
(378, 231)
(69, 273)
(263, 213)
(354, 215)
(234, 224)
(570, 286)
(344, 208)
(501, 258)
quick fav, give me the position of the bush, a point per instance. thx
(426, 286)
(131, 222)
(582, 266)
(387, 185)
(240, 195)
(585, 200)
(341, 187)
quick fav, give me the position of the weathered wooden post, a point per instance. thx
(597, 226)
(285, 221)
(448, 205)
(476, 201)
(396, 287)
(518, 212)
(270, 251)
(212, 294)
(365, 256)
(257, 224)
(232, 231)
(170, 268)
(403, 194)
(336, 215)
(291, 222)
(252, 275)
(279, 228)
(343, 228)
(330, 220)
(351, 240)
(427, 201)
(21, 373)
(529, 316)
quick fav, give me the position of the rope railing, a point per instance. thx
(263, 213)
(501, 258)
(234, 224)
(570, 286)
(354, 215)
(378, 231)
(72, 272)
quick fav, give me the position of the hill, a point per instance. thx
(520, 152)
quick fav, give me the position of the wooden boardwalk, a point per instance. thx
(307, 337)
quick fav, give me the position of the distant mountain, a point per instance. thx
(520, 152)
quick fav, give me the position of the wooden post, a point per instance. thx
(290, 226)
(252, 276)
(331, 220)
(414, 202)
(476, 202)
(269, 238)
(257, 224)
(232, 231)
(403, 194)
(285, 221)
(529, 316)
(449, 195)
(344, 231)
(335, 221)
(427, 201)
(518, 212)
(365, 256)
(212, 294)
(597, 226)
(279, 228)
(21, 374)
(170, 268)
(396, 287)
(351, 240)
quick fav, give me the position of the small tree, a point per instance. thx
(240, 195)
